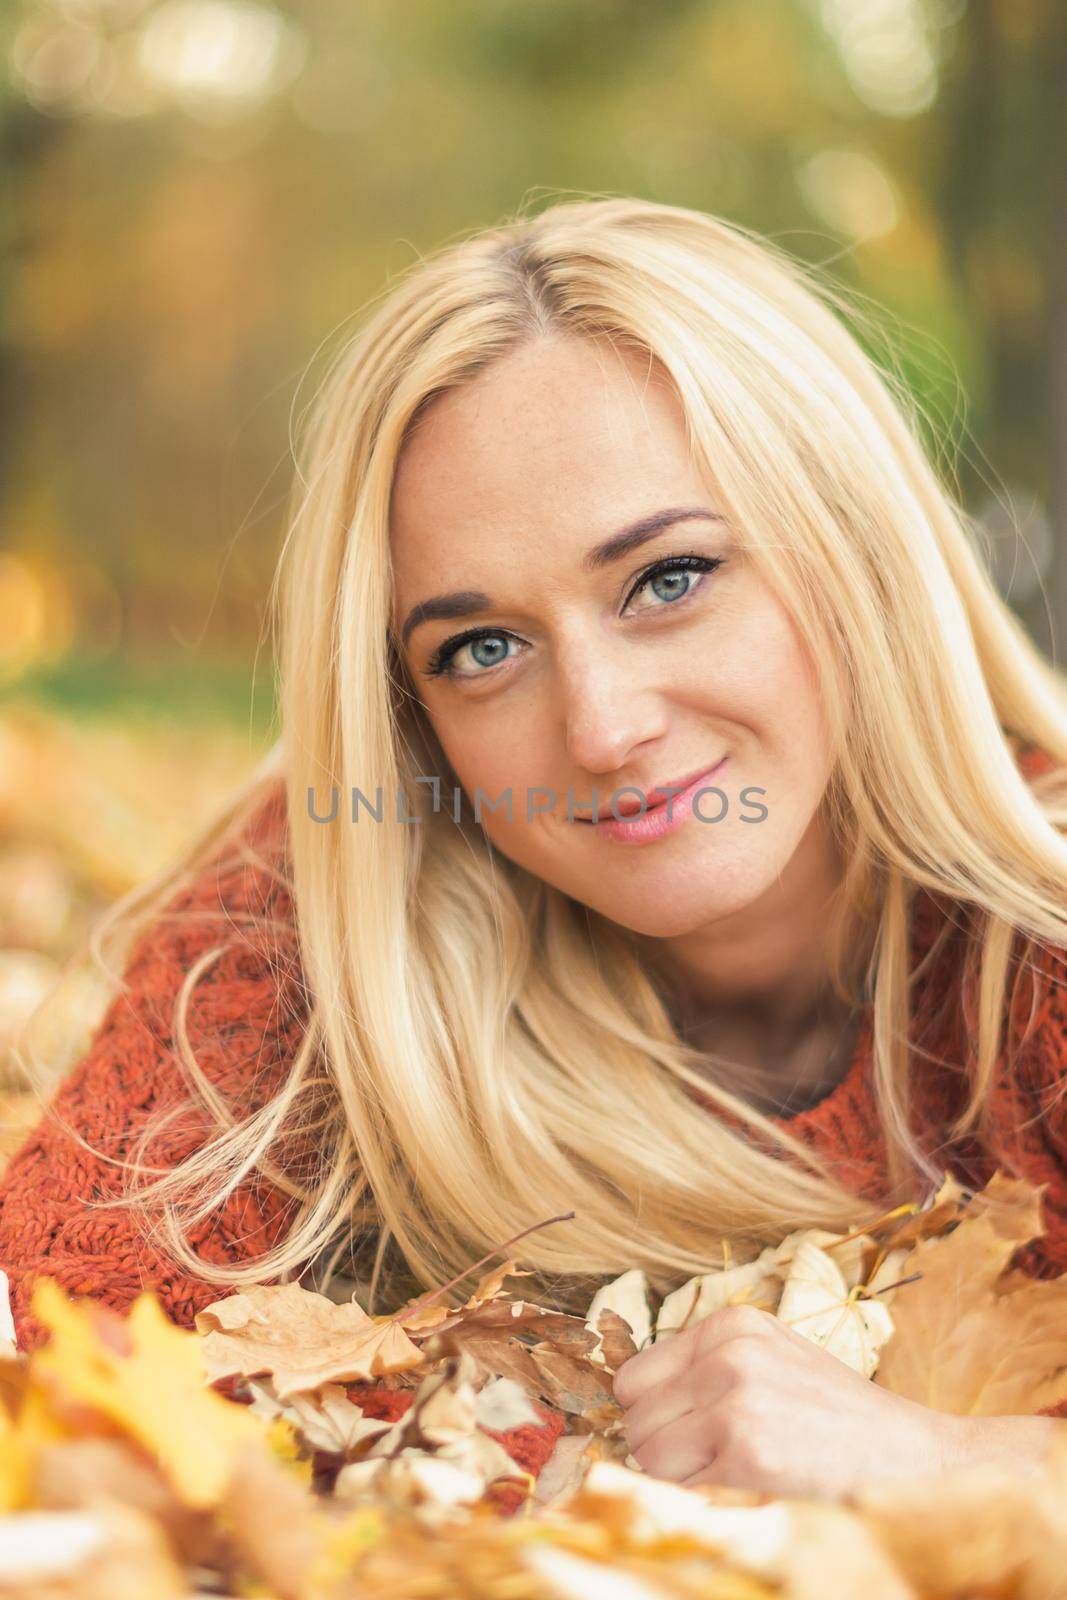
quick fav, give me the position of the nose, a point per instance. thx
(609, 708)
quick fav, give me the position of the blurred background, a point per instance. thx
(198, 197)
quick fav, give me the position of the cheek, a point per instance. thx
(493, 759)
(773, 677)
(485, 756)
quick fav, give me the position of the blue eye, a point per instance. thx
(442, 658)
(671, 569)
(669, 572)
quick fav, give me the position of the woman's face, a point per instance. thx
(569, 671)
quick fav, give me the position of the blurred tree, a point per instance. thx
(200, 195)
(1000, 191)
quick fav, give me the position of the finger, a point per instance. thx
(670, 1357)
(668, 1401)
(658, 1363)
(681, 1449)
(654, 1410)
(715, 1472)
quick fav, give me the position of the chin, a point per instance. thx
(668, 909)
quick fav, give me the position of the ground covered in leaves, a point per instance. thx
(142, 1460)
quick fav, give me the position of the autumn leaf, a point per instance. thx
(117, 1407)
(817, 1303)
(15, 1466)
(627, 1299)
(301, 1339)
(278, 1527)
(969, 1339)
(75, 1472)
(326, 1419)
(443, 1424)
(155, 1392)
(560, 1365)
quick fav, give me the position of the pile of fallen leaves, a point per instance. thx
(140, 1460)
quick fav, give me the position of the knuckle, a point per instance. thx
(731, 1323)
(735, 1431)
(765, 1462)
(621, 1387)
(741, 1362)
(745, 1320)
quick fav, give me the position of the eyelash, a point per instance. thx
(440, 662)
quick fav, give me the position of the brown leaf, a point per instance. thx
(326, 1420)
(618, 1340)
(302, 1339)
(425, 1313)
(274, 1523)
(520, 1316)
(72, 1474)
(104, 1552)
(947, 1207)
(961, 1343)
(494, 1353)
(571, 1384)
(832, 1539)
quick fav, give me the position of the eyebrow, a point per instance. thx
(470, 602)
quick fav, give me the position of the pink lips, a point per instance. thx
(627, 805)
(654, 822)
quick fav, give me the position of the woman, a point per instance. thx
(604, 507)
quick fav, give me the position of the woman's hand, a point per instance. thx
(741, 1399)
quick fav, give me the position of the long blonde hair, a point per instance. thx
(494, 1054)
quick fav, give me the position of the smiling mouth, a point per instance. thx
(629, 807)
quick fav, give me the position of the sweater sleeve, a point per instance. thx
(244, 1023)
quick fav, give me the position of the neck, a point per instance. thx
(758, 987)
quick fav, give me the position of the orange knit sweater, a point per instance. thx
(244, 1024)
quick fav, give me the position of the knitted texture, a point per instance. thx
(244, 1024)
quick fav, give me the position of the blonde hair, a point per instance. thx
(495, 1054)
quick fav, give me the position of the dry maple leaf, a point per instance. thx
(277, 1526)
(560, 1366)
(426, 1520)
(627, 1299)
(301, 1339)
(71, 1474)
(421, 1314)
(922, 1222)
(616, 1340)
(817, 1303)
(326, 1419)
(970, 1339)
(819, 1283)
(443, 1424)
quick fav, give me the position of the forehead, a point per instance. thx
(561, 438)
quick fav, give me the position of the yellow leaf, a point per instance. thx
(15, 1463)
(283, 1439)
(345, 1543)
(156, 1393)
(969, 1339)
